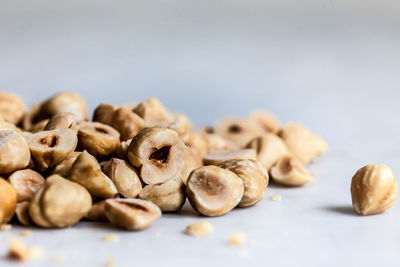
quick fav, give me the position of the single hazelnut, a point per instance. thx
(65, 166)
(104, 113)
(196, 142)
(265, 121)
(97, 213)
(12, 108)
(153, 113)
(26, 183)
(127, 123)
(14, 152)
(191, 161)
(22, 213)
(219, 156)
(64, 120)
(8, 201)
(291, 172)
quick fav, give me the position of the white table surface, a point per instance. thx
(332, 65)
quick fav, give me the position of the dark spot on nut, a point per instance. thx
(50, 141)
(235, 129)
(161, 155)
(209, 129)
(211, 184)
(287, 165)
(101, 130)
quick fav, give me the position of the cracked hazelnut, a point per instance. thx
(48, 148)
(291, 172)
(131, 214)
(12, 108)
(97, 213)
(214, 191)
(8, 201)
(219, 156)
(169, 196)
(64, 166)
(254, 176)
(26, 183)
(153, 113)
(265, 121)
(374, 189)
(127, 123)
(104, 113)
(158, 152)
(59, 203)
(22, 213)
(64, 120)
(14, 152)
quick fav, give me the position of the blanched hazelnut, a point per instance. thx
(374, 189)
(181, 124)
(104, 113)
(127, 123)
(254, 176)
(22, 213)
(14, 152)
(196, 142)
(123, 176)
(59, 203)
(158, 152)
(131, 214)
(270, 148)
(98, 139)
(291, 172)
(302, 143)
(215, 141)
(265, 121)
(122, 150)
(191, 161)
(26, 183)
(97, 213)
(12, 108)
(214, 191)
(65, 166)
(86, 171)
(169, 196)
(8, 201)
(48, 148)
(153, 113)
(39, 126)
(219, 156)
(30, 116)
(64, 120)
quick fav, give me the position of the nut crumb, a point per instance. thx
(58, 259)
(25, 233)
(198, 229)
(111, 238)
(110, 263)
(237, 239)
(18, 251)
(5, 227)
(275, 198)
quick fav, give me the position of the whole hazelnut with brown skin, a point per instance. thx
(14, 152)
(104, 113)
(64, 120)
(12, 107)
(127, 123)
(26, 183)
(8, 201)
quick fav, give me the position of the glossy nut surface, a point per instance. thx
(8, 201)
(14, 152)
(26, 183)
(290, 171)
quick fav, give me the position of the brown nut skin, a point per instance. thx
(97, 213)
(48, 148)
(158, 152)
(254, 176)
(290, 171)
(64, 102)
(98, 139)
(265, 121)
(214, 191)
(127, 123)
(64, 120)
(219, 156)
(104, 113)
(14, 152)
(270, 148)
(169, 196)
(59, 203)
(26, 183)
(12, 108)
(374, 189)
(302, 142)
(86, 171)
(124, 177)
(65, 166)
(131, 214)
(153, 113)
(8, 201)
(22, 213)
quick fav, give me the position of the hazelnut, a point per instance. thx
(104, 113)
(254, 176)
(291, 172)
(215, 141)
(181, 125)
(12, 108)
(153, 113)
(98, 139)
(158, 152)
(22, 213)
(191, 161)
(131, 214)
(9, 126)
(122, 150)
(86, 171)
(97, 213)
(169, 196)
(219, 156)
(196, 142)
(270, 148)
(39, 126)
(64, 120)
(374, 189)
(302, 143)
(214, 191)
(8, 201)
(14, 152)
(26, 183)
(123, 176)
(127, 123)
(59, 203)
(265, 121)
(64, 166)
(48, 148)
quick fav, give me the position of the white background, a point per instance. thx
(332, 65)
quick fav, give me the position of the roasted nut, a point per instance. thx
(104, 113)
(98, 139)
(64, 102)
(198, 229)
(65, 166)
(302, 143)
(123, 176)
(196, 142)
(181, 125)
(191, 161)
(169, 196)
(48, 148)
(131, 214)
(265, 121)
(122, 151)
(59, 203)
(22, 212)
(26, 183)
(374, 189)
(254, 176)
(219, 156)
(39, 126)
(127, 123)
(97, 213)
(153, 113)
(12, 108)
(64, 120)
(214, 191)
(291, 172)
(86, 171)
(158, 152)
(14, 152)
(270, 148)
(8, 201)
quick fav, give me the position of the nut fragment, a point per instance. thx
(198, 229)
(26, 183)
(276, 197)
(86, 171)
(302, 143)
(18, 251)
(219, 156)
(291, 172)
(65, 166)
(97, 212)
(214, 191)
(59, 203)
(153, 113)
(237, 239)
(8, 201)
(111, 238)
(12, 108)
(48, 148)
(14, 152)
(169, 196)
(374, 189)
(158, 152)
(255, 179)
(22, 212)
(131, 214)
(127, 123)
(62, 121)
(265, 121)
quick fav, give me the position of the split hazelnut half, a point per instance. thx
(14, 152)
(26, 183)
(8, 201)
(291, 172)
(219, 156)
